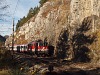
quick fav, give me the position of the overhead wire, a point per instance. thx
(15, 9)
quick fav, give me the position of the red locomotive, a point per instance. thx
(38, 47)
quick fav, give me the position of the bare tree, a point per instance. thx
(3, 8)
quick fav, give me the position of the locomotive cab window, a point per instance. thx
(40, 44)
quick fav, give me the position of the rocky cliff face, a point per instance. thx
(56, 15)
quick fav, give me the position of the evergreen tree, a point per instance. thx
(42, 2)
(32, 12)
(62, 44)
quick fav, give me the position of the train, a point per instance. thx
(39, 48)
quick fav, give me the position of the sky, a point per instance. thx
(16, 9)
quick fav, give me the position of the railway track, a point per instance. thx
(23, 59)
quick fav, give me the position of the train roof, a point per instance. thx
(32, 42)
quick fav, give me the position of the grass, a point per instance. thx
(4, 72)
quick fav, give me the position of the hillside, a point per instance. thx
(2, 39)
(69, 25)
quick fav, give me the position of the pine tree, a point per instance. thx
(42, 2)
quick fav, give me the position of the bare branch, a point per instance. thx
(4, 7)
